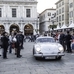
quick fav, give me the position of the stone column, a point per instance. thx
(7, 28)
(22, 27)
(35, 27)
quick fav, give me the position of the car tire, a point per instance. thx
(37, 58)
(58, 58)
(44, 58)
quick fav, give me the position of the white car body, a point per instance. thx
(47, 49)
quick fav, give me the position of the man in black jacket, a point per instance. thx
(62, 39)
(18, 44)
(22, 39)
(5, 44)
(68, 42)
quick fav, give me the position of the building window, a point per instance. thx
(59, 11)
(0, 12)
(49, 14)
(13, 12)
(59, 18)
(59, 4)
(62, 2)
(62, 23)
(62, 9)
(62, 17)
(54, 14)
(71, 14)
(70, 21)
(71, 5)
(59, 24)
(28, 13)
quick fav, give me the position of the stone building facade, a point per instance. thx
(47, 18)
(18, 15)
(62, 12)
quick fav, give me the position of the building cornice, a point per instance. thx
(18, 2)
(46, 10)
(58, 2)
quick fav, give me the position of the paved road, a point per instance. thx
(28, 65)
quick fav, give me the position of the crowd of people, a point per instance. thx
(14, 40)
(66, 39)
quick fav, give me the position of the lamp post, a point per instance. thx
(52, 23)
(53, 26)
(37, 25)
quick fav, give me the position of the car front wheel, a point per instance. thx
(37, 58)
(58, 58)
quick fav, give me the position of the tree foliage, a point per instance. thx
(52, 26)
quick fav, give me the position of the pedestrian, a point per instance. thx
(5, 44)
(72, 43)
(18, 44)
(10, 42)
(0, 43)
(15, 42)
(68, 42)
(30, 39)
(22, 39)
(62, 40)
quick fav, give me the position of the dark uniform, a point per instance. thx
(62, 40)
(68, 42)
(22, 38)
(5, 45)
(18, 44)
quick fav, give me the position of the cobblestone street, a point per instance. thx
(28, 65)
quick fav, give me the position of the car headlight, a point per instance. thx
(38, 49)
(61, 49)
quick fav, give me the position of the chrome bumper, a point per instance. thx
(48, 55)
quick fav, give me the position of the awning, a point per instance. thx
(64, 27)
(58, 27)
(71, 25)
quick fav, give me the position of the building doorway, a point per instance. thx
(2, 29)
(28, 30)
(14, 28)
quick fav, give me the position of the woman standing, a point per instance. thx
(5, 44)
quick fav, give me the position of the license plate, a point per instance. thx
(49, 57)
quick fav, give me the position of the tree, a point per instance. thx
(52, 26)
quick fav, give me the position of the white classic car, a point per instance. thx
(46, 47)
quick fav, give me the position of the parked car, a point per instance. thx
(47, 47)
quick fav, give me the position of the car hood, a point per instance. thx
(49, 47)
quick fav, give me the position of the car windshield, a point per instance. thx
(45, 40)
